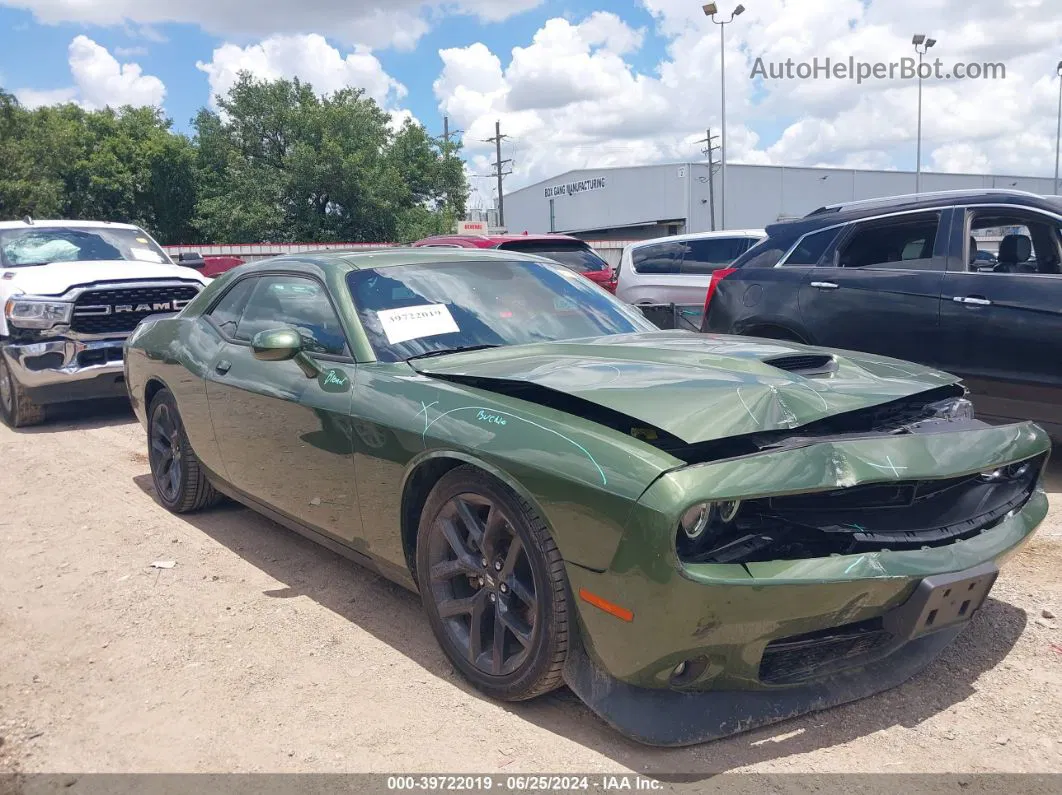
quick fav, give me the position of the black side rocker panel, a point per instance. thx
(674, 718)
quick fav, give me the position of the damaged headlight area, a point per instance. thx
(870, 517)
(32, 312)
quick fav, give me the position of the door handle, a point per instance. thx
(222, 367)
(973, 300)
(825, 286)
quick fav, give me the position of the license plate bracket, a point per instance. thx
(942, 601)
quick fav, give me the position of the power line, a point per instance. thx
(499, 169)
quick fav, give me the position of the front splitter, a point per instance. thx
(675, 718)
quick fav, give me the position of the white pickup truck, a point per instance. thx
(71, 292)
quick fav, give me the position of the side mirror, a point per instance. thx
(276, 345)
(283, 345)
(191, 259)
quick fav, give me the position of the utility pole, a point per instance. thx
(447, 135)
(499, 169)
(708, 151)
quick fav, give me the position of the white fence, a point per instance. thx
(610, 250)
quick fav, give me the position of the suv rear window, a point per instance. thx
(574, 255)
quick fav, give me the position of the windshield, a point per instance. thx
(40, 245)
(577, 256)
(413, 310)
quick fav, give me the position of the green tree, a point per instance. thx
(280, 163)
(276, 163)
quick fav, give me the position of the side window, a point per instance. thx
(1026, 243)
(658, 258)
(227, 312)
(811, 248)
(905, 243)
(711, 254)
(298, 302)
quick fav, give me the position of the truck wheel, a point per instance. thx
(16, 408)
(180, 482)
(493, 586)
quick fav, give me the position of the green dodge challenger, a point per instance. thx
(697, 534)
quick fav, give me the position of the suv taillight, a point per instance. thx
(717, 276)
(613, 281)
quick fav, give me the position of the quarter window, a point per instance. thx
(811, 248)
(658, 258)
(227, 312)
(301, 303)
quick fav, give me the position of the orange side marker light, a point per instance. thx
(621, 613)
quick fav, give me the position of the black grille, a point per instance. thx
(100, 311)
(803, 657)
(804, 364)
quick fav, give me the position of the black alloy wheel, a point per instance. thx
(493, 584)
(180, 482)
(165, 453)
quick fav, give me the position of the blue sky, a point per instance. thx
(34, 55)
(592, 84)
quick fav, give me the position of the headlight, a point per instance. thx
(37, 312)
(696, 520)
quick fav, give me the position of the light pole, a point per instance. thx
(710, 11)
(921, 45)
(1058, 135)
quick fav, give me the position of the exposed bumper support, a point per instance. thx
(675, 718)
(57, 370)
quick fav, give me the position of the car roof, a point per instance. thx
(390, 257)
(846, 212)
(701, 236)
(488, 241)
(65, 224)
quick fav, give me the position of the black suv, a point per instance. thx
(903, 277)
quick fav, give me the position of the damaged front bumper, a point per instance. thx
(59, 369)
(713, 649)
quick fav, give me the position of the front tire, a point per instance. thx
(179, 479)
(16, 408)
(493, 585)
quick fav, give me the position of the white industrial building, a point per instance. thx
(639, 202)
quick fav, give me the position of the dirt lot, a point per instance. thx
(260, 651)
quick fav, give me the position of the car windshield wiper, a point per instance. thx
(447, 351)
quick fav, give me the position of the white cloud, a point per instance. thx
(310, 58)
(32, 98)
(99, 81)
(371, 23)
(571, 98)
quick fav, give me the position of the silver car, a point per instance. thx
(677, 269)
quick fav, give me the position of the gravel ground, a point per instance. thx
(262, 652)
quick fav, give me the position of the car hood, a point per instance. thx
(696, 387)
(58, 277)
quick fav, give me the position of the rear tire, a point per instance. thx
(16, 408)
(493, 585)
(180, 482)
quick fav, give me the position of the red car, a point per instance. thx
(568, 251)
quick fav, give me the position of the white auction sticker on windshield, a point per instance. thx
(415, 322)
(144, 254)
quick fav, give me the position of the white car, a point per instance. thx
(71, 292)
(677, 269)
